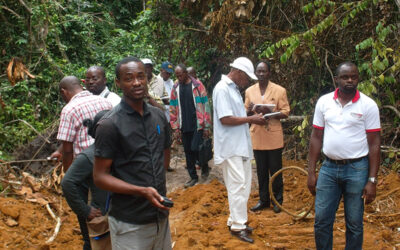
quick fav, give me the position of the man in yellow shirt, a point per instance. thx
(267, 139)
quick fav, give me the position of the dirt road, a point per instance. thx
(198, 219)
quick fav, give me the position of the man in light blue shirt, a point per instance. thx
(232, 142)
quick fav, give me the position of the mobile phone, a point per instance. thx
(167, 202)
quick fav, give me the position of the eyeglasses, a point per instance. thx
(247, 76)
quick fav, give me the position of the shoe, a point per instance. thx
(169, 169)
(242, 235)
(260, 206)
(276, 209)
(205, 174)
(191, 183)
(197, 164)
(248, 229)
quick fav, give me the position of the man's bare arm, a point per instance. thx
(67, 154)
(104, 180)
(234, 120)
(313, 155)
(374, 143)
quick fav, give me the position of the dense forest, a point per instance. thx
(42, 41)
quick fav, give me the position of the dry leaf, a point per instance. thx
(11, 176)
(2, 103)
(24, 191)
(16, 71)
(37, 198)
(35, 185)
(11, 222)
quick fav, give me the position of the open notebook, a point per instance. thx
(270, 106)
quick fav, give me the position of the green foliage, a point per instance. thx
(59, 38)
(303, 39)
(23, 106)
(382, 66)
(379, 66)
(53, 39)
(302, 131)
(391, 160)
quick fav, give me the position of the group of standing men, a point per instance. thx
(346, 127)
(131, 149)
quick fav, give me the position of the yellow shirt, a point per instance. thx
(269, 136)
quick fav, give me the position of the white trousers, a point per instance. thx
(237, 177)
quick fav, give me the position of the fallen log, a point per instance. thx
(294, 118)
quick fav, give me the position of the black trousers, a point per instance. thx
(191, 156)
(268, 163)
(84, 232)
(84, 193)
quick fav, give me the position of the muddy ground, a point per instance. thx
(198, 219)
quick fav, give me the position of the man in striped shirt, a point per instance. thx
(81, 105)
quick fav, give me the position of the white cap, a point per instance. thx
(245, 65)
(147, 61)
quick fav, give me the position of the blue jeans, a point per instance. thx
(333, 182)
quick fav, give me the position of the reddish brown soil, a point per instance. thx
(198, 219)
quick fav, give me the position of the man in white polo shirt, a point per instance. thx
(96, 83)
(232, 144)
(347, 128)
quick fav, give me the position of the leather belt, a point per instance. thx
(345, 161)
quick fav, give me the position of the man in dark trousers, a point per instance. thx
(347, 128)
(129, 154)
(267, 139)
(79, 180)
(190, 118)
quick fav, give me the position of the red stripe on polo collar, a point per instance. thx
(355, 98)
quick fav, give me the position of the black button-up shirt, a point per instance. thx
(136, 145)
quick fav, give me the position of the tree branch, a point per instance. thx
(393, 109)
(329, 69)
(10, 10)
(29, 125)
(294, 118)
(26, 6)
(398, 3)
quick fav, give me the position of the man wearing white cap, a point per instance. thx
(231, 128)
(156, 85)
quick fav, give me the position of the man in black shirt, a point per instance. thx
(129, 154)
(188, 126)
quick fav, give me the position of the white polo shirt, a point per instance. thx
(229, 140)
(345, 128)
(111, 96)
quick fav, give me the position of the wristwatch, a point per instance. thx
(373, 180)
